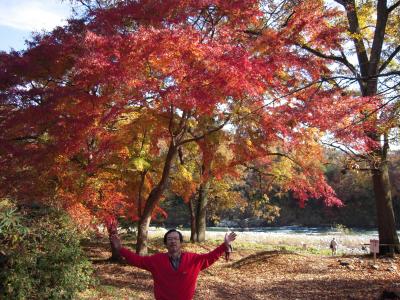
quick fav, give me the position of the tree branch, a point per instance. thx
(197, 138)
(354, 28)
(347, 151)
(260, 171)
(286, 156)
(171, 122)
(340, 59)
(25, 138)
(393, 7)
(379, 36)
(386, 63)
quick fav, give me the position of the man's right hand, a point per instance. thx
(115, 241)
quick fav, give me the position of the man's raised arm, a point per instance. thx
(209, 258)
(142, 262)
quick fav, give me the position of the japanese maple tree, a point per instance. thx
(97, 111)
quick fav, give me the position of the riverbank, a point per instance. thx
(348, 242)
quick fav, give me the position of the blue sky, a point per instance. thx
(19, 18)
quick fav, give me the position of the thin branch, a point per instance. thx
(388, 74)
(259, 171)
(346, 151)
(393, 7)
(283, 96)
(342, 59)
(197, 138)
(171, 121)
(365, 117)
(183, 126)
(288, 19)
(286, 156)
(25, 138)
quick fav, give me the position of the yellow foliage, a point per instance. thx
(282, 170)
(140, 164)
(184, 173)
(367, 18)
(128, 118)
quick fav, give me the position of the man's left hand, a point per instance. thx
(229, 238)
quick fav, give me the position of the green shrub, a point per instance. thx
(44, 257)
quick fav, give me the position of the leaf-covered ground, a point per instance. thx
(255, 274)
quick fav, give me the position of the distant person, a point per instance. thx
(228, 252)
(175, 272)
(304, 245)
(333, 245)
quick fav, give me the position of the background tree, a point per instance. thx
(212, 171)
(362, 107)
(373, 32)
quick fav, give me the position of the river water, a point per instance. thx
(351, 241)
(300, 230)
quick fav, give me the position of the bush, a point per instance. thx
(44, 259)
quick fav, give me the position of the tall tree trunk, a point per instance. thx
(388, 239)
(201, 212)
(369, 87)
(151, 202)
(370, 63)
(193, 227)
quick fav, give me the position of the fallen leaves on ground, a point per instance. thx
(276, 274)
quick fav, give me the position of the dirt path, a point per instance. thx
(257, 275)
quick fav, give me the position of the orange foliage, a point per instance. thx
(96, 116)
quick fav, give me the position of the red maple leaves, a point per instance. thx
(92, 106)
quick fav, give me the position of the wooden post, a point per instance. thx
(374, 248)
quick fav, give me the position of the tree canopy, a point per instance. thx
(95, 113)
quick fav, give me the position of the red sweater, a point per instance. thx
(168, 283)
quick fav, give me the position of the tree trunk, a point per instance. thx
(151, 202)
(369, 68)
(143, 229)
(370, 63)
(140, 200)
(193, 227)
(112, 229)
(201, 212)
(115, 256)
(388, 239)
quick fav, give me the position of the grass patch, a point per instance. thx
(256, 246)
(156, 245)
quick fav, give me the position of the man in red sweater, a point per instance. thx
(175, 272)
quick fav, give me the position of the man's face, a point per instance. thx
(173, 242)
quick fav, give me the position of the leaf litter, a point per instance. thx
(255, 274)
